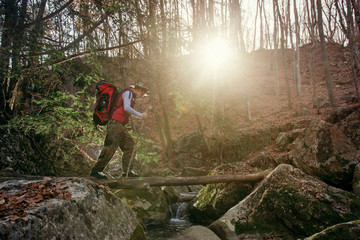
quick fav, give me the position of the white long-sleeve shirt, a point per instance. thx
(127, 96)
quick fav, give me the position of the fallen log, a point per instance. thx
(146, 182)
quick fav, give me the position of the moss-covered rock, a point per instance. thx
(41, 155)
(214, 200)
(138, 233)
(150, 205)
(290, 204)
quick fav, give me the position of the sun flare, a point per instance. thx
(216, 52)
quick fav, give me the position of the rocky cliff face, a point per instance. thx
(64, 208)
(328, 149)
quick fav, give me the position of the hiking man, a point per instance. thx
(117, 135)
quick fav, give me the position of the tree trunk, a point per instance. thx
(195, 23)
(202, 131)
(10, 9)
(261, 6)
(167, 130)
(236, 25)
(163, 29)
(158, 77)
(282, 30)
(146, 182)
(356, 7)
(256, 15)
(267, 30)
(275, 65)
(211, 15)
(297, 66)
(311, 14)
(36, 46)
(353, 46)
(325, 56)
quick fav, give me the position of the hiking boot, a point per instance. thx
(98, 175)
(131, 174)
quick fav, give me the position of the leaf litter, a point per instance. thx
(15, 205)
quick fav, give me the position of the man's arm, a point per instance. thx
(127, 96)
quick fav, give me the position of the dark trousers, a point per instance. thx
(117, 136)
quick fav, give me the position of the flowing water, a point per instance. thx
(177, 223)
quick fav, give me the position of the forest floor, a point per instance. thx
(252, 83)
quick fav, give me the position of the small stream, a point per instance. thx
(178, 222)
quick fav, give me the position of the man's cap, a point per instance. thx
(141, 86)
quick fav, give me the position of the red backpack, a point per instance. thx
(105, 99)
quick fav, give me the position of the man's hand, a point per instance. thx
(144, 115)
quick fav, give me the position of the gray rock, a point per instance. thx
(197, 233)
(90, 212)
(288, 204)
(285, 138)
(329, 151)
(173, 193)
(115, 168)
(356, 180)
(149, 204)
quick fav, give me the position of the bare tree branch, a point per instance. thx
(81, 37)
(96, 51)
(50, 15)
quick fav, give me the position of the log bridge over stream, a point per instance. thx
(147, 182)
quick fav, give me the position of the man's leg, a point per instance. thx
(110, 145)
(105, 156)
(127, 146)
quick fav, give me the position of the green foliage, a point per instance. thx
(61, 113)
(145, 153)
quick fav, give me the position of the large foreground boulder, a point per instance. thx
(290, 204)
(329, 150)
(64, 209)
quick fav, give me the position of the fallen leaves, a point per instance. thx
(341, 208)
(15, 205)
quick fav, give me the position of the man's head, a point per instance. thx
(140, 90)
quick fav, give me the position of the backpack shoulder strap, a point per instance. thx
(120, 96)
